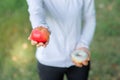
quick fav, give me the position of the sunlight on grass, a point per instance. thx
(17, 56)
(21, 62)
(19, 53)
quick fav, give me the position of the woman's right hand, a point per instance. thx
(40, 43)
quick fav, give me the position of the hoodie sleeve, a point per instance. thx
(89, 24)
(36, 13)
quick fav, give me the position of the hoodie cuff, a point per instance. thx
(80, 45)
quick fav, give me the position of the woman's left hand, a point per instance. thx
(85, 62)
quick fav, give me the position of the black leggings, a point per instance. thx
(57, 73)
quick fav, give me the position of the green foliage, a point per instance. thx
(17, 58)
(105, 47)
(7, 5)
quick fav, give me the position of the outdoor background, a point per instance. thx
(17, 56)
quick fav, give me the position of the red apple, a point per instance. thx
(40, 35)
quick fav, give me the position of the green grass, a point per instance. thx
(105, 47)
(17, 56)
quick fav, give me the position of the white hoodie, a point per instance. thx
(64, 19)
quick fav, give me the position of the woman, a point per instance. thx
(63, 19)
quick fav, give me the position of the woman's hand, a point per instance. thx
(40, 43)
(85, 62)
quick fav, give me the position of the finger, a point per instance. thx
(85, 63)
(33, 42)
(78, 64)
(45, 44)
(88, 59)
(40, 44)
(29, 38)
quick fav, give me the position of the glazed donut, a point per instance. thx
(79, 56)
